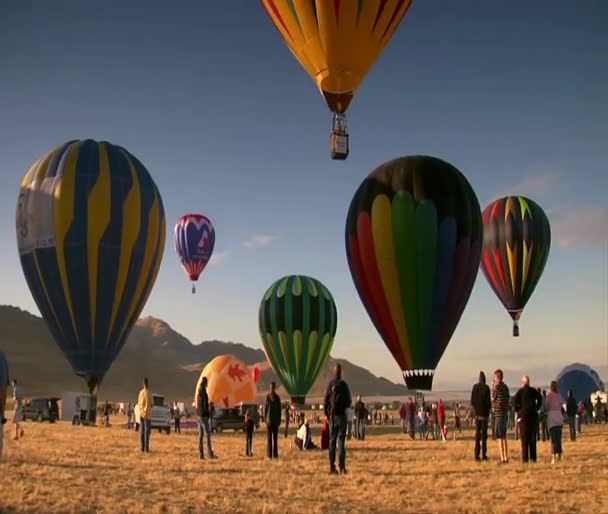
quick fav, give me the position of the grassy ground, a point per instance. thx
(59, 468)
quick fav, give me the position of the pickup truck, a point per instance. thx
(161, 414)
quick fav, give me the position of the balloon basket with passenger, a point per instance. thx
(339, 137)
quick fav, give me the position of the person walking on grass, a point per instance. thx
(555, 421)
(203, 411)
(18, 397)
(500, 409)
(272, 416)
(571, 411)
(177, 418)
(481, 403)
(337, 400)
(145, 403)
(248, 427)
(527, 404)
(4, 384)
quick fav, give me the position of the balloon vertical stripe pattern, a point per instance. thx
(335, 41)
(413, 243)
(298, 322)
(90, 232)
(517, 240)
(194, 241)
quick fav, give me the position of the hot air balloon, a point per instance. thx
(413, 244)
(337, 43)
(230, 382)
(298, 321)
(91, 236)
(194, 239)
(516, 242)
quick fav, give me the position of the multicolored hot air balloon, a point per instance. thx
(516, 243)
(337, 43)
(413, 243)
(91, 236)
(194, 239)
(230, 381)
(298, 322)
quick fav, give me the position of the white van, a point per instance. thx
(161, 414)
(76, 408)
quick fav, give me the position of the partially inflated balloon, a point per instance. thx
(229, 382)
(91, 236)
(298, 321)
(413, 243)
(194, 240)
(516, 242)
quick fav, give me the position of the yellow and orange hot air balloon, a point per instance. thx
(229, 381)
(337, 42)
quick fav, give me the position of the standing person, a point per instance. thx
(337, 400)
(527, 404)
(410, 414)
(360, 419)
(177, 418)
(129, 416)
(402, 418)
(18, 397)
(481, 403)
(145, 403)
(4, 384)
(287, 413)
(203, 411)
(248, 428)
(106, 414)
(272, 416)
(543, 432)
(571, 411)
(443, 427)
(555, 421)
(500, 409)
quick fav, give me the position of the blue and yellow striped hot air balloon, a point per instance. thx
(91, 236)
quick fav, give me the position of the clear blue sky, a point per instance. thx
(209, 98)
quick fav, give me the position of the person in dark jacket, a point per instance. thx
(287, 414)
(527, 403)
(481, 403)
(360, 419)
(272, 416)
(571, 410)
(337, 400)
(203, 412)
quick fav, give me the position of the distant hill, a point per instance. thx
(155, 350)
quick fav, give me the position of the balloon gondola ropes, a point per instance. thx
(339, 137)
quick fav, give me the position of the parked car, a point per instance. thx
(227, 419)
(161, 414)
(41, 409)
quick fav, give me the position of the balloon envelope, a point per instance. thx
(413, 244)
(229, 382)
(516, 243)
(91, 236)
(338, 41)
(194, 239)
(298, 322)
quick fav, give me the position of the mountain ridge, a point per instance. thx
(153, 349)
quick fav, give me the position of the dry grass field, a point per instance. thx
(60, 468)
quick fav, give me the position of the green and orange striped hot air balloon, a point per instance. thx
(516, 243)
(413, 243)
(298, 322)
